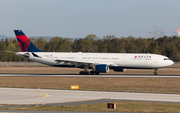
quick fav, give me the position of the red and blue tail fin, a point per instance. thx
(24, 43)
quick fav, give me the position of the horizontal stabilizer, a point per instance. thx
(10, 51)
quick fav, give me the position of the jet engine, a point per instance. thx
(102, 68)
(119, 69)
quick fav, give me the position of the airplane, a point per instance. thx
(97, 62)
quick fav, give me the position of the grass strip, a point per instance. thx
(148, 85)
(121, 106)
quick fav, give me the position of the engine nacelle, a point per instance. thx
(119, 69)
(102, 68)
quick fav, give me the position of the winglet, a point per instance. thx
(24, 43)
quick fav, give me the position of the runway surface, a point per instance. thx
(97, 76)
(23, 96)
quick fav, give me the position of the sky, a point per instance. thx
(78, 18)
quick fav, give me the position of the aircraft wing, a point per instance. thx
(75, 61)
(82, 62)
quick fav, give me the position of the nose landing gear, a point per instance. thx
(155, 71)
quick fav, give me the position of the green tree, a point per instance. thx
(142, 45)
(79, 45)
(109, 43)
(53, 43)
(41, 43)
(65, 45)
(91, 37)
(130, 46)
(33, 40)
(2, 53)
(122, 45)
(10, 56)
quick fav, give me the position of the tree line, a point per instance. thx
(168, 46)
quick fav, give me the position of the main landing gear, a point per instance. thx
(155, 71)
(94, 73)
(87, 73)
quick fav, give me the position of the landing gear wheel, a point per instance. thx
(97, 73)
(155, 71)
(81, 73)
(92, 72)
(86, 73)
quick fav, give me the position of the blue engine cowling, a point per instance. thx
(119, 69)
(102, 68)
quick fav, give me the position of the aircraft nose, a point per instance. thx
(171, 62)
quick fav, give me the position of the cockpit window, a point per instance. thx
(166, 58)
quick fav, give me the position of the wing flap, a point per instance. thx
(75, 61)
(82, 62)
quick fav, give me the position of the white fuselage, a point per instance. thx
(123, 60)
